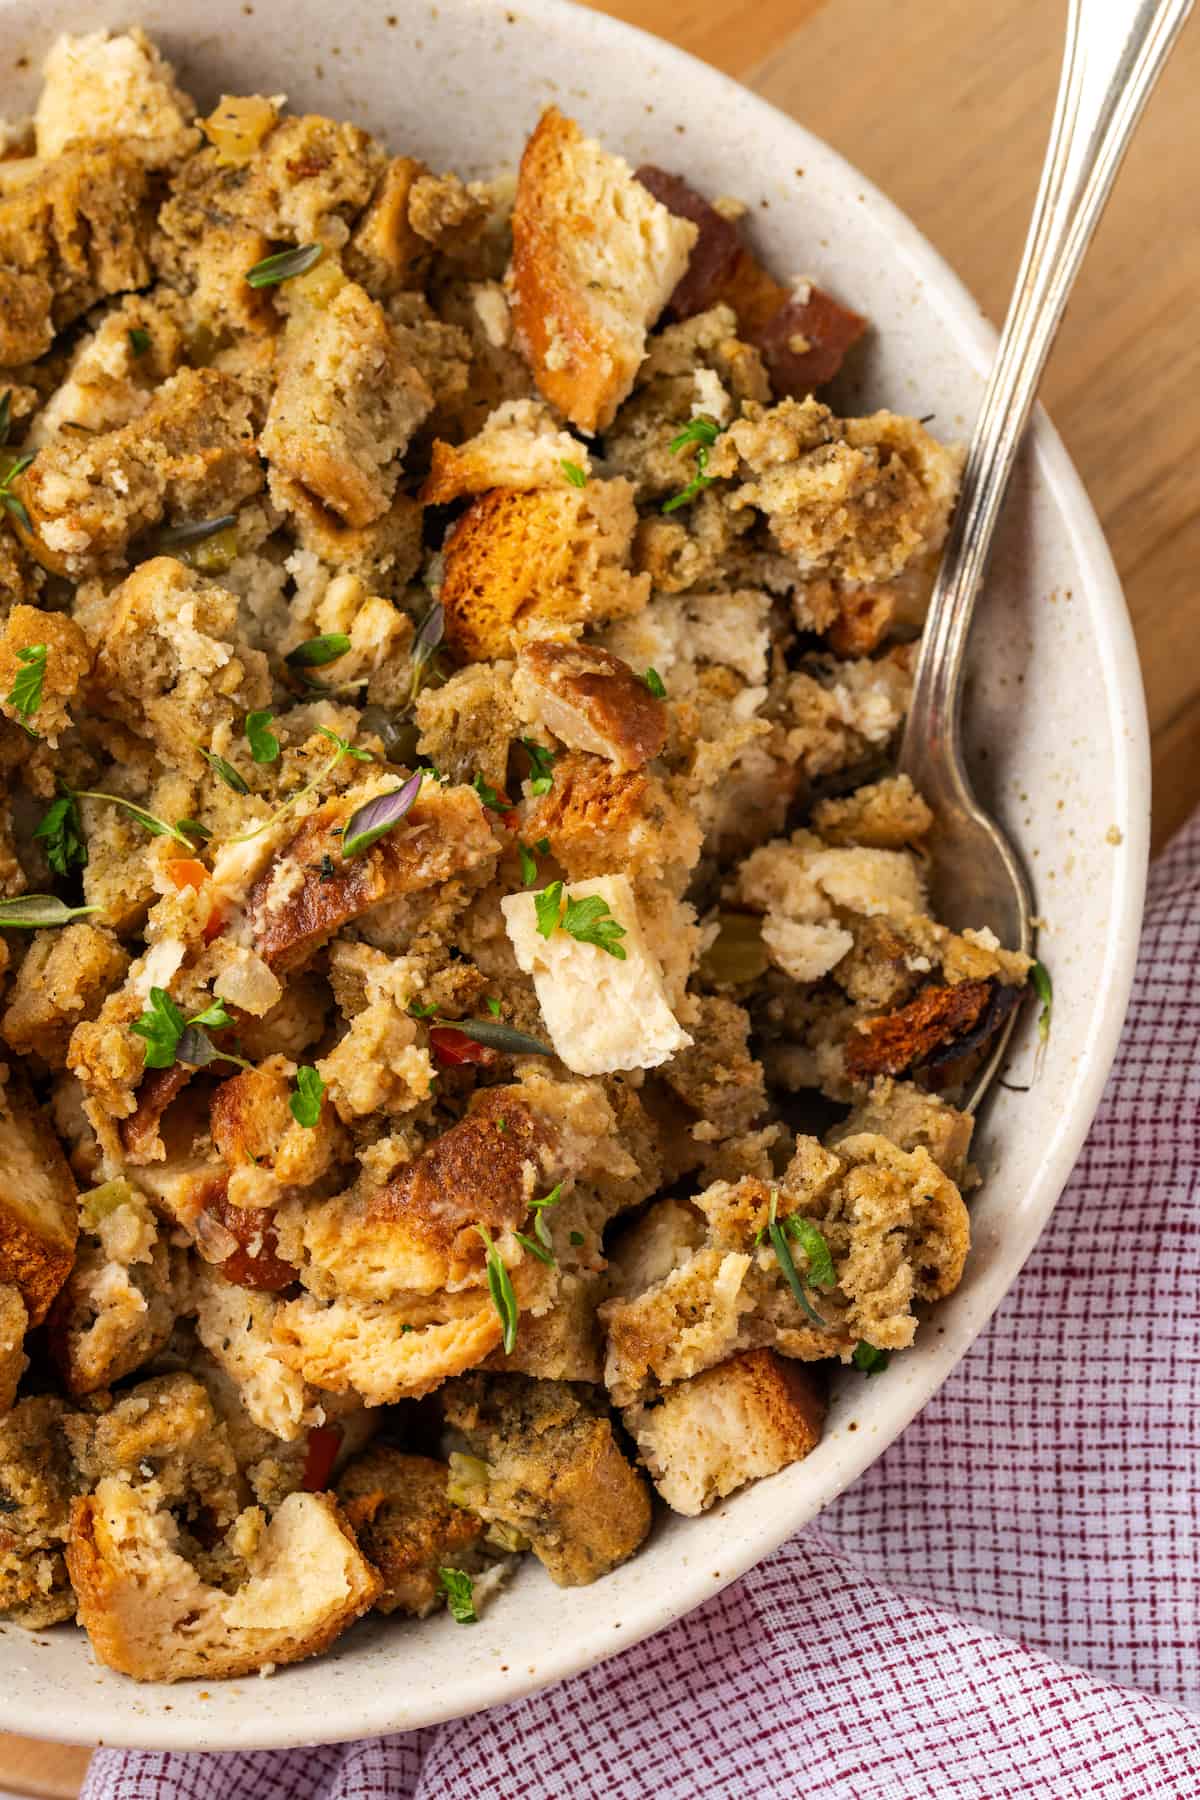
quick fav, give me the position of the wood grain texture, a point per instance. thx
(946, 104)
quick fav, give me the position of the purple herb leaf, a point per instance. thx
(375, 818)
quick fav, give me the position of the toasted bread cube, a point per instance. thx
(388, 1350)
(914, 1120)
(149, 1614)
(64, 978)
(36, 1481)
(190, 455)
(38, 1207)
(592, 701)
(237, 1326)
(520, 446)
(595, 258)
(264, 1146)
(597, 818)
(555, 1472)
(407, 1526)
(717, 1079)
(13, 1362)
(294, 908)
(563, 1343)
(81, 223)
(163, 1431)
(386, 253)
(345, 406)
(468, 724)
(747, 1418)
(885, 815)
(118, 1305)
(557, 556)
(603, 1012)
(26, 327)
(113, 85)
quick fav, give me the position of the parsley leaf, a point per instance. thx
(25, 696)
(139, 340)
(543, 761)
(869, 1359)
(529, 866)
(493, 1005)
(574, 474)
(305, 1102)
(547, 906)
(704, 434)
(459, 1590)
(501, 1290)
(264, 745)
(783, 1255)
(494, 801)
(590, 921)
(655, 683)
(421, 1009)
(171, 1038)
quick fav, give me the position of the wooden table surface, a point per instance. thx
(946, 104)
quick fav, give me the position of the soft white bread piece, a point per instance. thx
(744, 1419)
(38, 1209)
(521, 445)
(148, 1613)
(595, 258)
(603, 1013)
(113, 85)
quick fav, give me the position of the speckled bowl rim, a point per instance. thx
(380, 1708)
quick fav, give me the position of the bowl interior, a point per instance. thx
(1057, 734)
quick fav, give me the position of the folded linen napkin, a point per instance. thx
(1004, 1606)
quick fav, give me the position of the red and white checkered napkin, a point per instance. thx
(975, 1618)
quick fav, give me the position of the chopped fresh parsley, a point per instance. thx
(493, 1005)
(170, 1037)
(590, 921)
(543, 760)
(494, 801)
(547, 907)
(421, 1009)
(25, 695)
(529, 868)
(139, 340)
(305, 1102)
(501, 1290)
(869, 1359)
(264, 745)
(779, 1233)
(704, 434)
(284, 265)
(540, 1227)
(315, 652)
(576, 1237)
(574, 474)
(459, 1590)
(61, 830)
(655, 683)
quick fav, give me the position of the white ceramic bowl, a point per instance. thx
(1057, 726)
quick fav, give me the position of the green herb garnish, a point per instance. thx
(655, 683)
(574, 474)
(547, 907)
(778, 1234)
(61, 830)
(869, 1359)
(704, 434)
(314, 653)
(139, 340)
(343, 748)
(494, 801)
(224, 771)
(590, 921)
(492, 1004)
(183, 831)
(170, 1037)
(1043, 987)
(34, 912)
(459, 1590)
(425, 647)
(305, 1102)
(529, 868)
(541, 1229)
(10, 501)
(264, 745)
(375, 818)
(501, 1290)
(543, 761)
(25, 695)
(421, 1009)
(284, 265)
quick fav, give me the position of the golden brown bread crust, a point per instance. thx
(155, 1092)
(895, 1042)
(406, 1526)
(445, 833)
(81, 222)
(594, 701)
(38, 1211)
(26, 328)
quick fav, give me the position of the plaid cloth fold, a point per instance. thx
(1003, 1608)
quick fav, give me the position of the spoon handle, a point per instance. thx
(1115, 51)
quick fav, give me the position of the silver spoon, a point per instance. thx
(1115, 52)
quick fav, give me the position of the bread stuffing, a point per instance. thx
(477, 1052)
